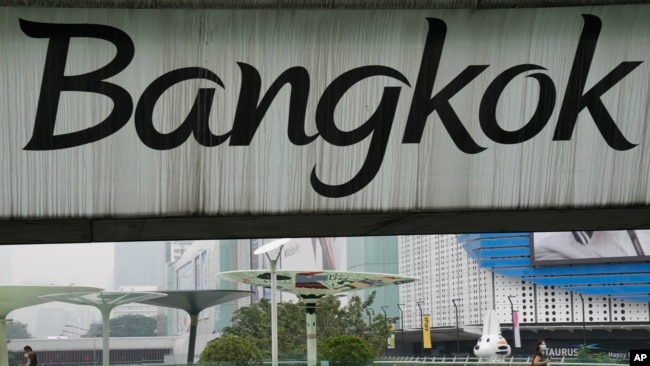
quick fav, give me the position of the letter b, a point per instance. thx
(54, 82)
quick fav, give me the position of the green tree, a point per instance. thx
(254, 322)
(17, 330)
(126, 326)
(234, 349)
(346, 350)
(133, 326)
(354, 317)
(94, 331)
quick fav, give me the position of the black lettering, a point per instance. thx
(575, 99)
(249, 114)
(423, 104)
(196, 121)
(379, 125)
(54, 82)
(487, 110)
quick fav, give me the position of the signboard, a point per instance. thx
(128, 113)
(426, 331)
(590, 246)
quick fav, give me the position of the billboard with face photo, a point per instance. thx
(590, 246)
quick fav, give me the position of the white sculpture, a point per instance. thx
(491, 345)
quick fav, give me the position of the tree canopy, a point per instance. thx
(231, 348)
(17, 330)
(254, 322)
(126, 326)
(346, 350)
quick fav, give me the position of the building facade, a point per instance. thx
(479, 272)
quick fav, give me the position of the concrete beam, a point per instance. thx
(314, 225)
(315, 4)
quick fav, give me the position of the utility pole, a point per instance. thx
(457, 328)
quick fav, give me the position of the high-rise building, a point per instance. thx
(376, 254)
(446, 273)
(141, 263)
(461, 277)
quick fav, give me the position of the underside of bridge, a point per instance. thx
(310, 225)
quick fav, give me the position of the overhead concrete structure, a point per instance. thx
(438, 117)
(312, 285)
(193, 302)
(105, 301)
(16, 297)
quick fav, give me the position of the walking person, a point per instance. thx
(30, 356)
(540, 357)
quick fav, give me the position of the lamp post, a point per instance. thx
(80, 335)
(265, 249)
(421, 322)
(370, 311)
(584, 336)
(401, 323)
(73, 333)
(512, 309)
(515, 323)
(73, 326)
(457, 329)
(383, 308)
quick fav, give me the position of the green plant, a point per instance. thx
(236, 350)
(584, 354)
(346, 350)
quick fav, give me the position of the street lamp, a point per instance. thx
(370, 311)
(457, 329)
(401, 323)
(74, 326)
(265, 249)
(80, 335)
(383, 308)
(515, 323)
(584, 336)
(512, 309)
(70, 332)
(421, 322)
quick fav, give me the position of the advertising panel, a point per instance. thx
(590, 246)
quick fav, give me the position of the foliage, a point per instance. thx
(254, 322)
(376, 333)
(126, 326)
(231, 348)
(346, 350)
(584, 353)
(17, 330)
(94, 331)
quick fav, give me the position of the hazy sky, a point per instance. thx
(88, 264)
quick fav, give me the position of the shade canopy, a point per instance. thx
(102, 300)
(309, 282)
(105, 301)
(195, 301)
(16, 297)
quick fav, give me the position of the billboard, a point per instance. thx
(268, 112)
(590, 246)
